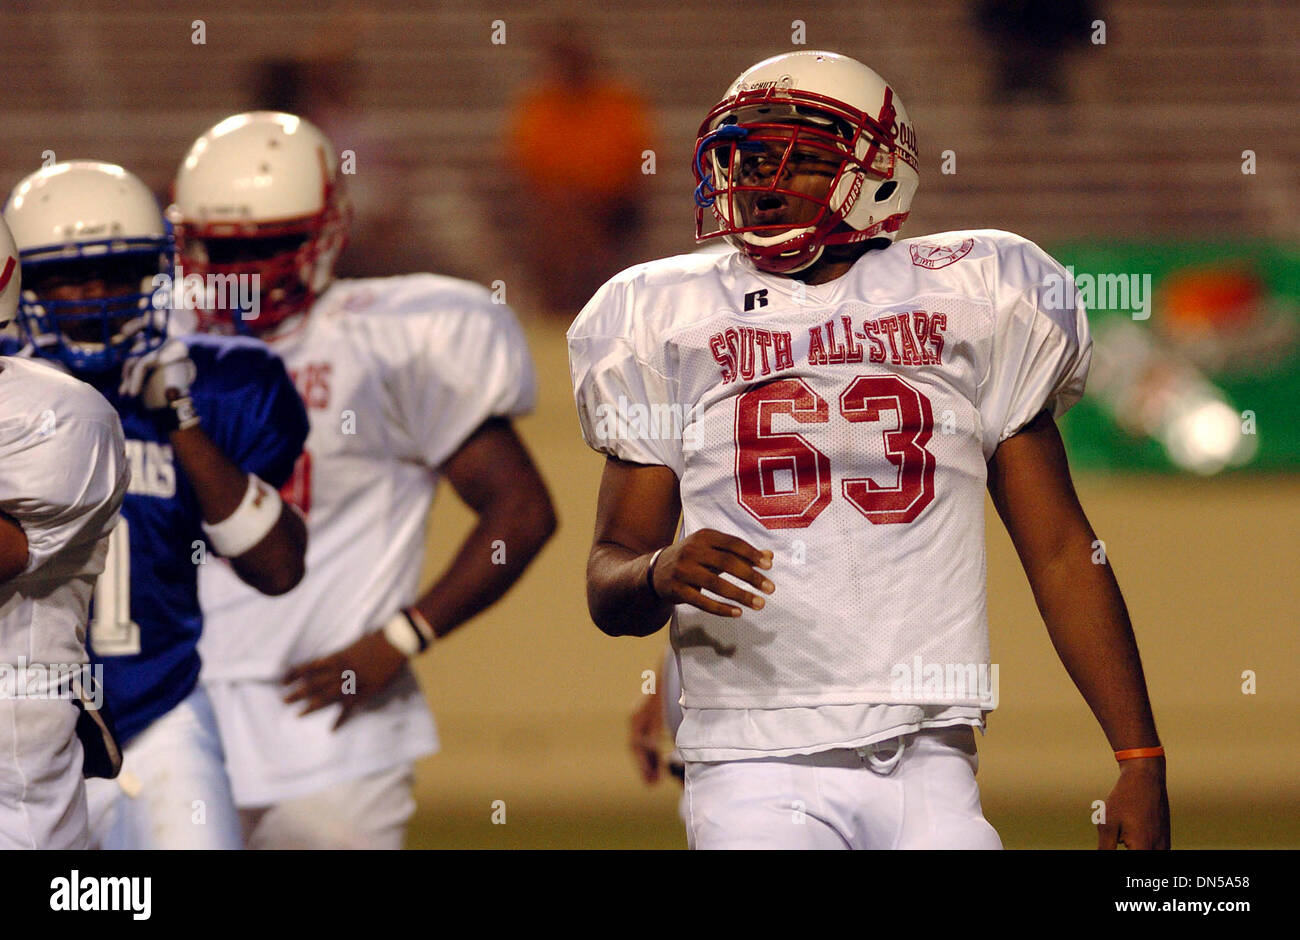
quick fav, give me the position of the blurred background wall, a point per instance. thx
(1148, 136)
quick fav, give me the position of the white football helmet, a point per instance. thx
(81, 222)
(260, 194)
(11, 276)
(811, 102)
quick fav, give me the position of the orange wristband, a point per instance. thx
(1133, 753)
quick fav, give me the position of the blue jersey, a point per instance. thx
(146, 635)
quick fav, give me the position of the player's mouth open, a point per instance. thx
(768, 209)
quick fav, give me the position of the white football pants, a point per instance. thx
(369, 812)
(172, 792)
(923, 796)
(42, 796)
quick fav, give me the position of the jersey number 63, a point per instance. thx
(785, 482)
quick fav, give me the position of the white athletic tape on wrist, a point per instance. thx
(256, 515)
(187, 416)
(409, 632)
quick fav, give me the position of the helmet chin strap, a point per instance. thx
(816, 256)
(744, 243)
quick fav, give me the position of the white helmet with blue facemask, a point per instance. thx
(96, 253)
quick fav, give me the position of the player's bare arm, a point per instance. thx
(13, 548)
(1029, 482)
(645, 736)
(636, 516)
(494, 475)
(275, 564)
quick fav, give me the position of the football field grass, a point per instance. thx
(1195, 826)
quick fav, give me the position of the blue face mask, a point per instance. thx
(95, 335)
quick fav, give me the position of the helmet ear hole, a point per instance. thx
(886, 190)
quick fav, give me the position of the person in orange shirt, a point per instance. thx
(577, 116)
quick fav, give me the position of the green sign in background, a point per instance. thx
(1095, 440)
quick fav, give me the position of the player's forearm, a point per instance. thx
(275, 564)
(218, 483)
(1089, 625)
(619, 596)
(491, 559)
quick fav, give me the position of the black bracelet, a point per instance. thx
(420, 636)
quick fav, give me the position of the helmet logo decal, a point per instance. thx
(780, 84)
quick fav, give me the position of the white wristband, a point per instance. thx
(409, 633)
(255, 516)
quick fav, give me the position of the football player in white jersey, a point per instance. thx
(63, 473)
(407, 380)
(824, 409)
(213, 427)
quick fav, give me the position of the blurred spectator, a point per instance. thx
(321, 85)
(575, 142)
(1030, 40)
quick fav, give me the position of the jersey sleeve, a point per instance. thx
(617, 388)
(463, 360)
(62, 480)
(250, 408)
(1041, 348)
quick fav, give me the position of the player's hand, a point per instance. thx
(161, 377)
(349, 677)
(645, 736)
(685, 569)
(1137, 810)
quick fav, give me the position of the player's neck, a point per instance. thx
(835, 261)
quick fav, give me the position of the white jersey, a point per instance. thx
(846, 427)
(63, 473)
(396, 374)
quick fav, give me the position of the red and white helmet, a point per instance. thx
(834, 104)
(11, 276)
(269, 176)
